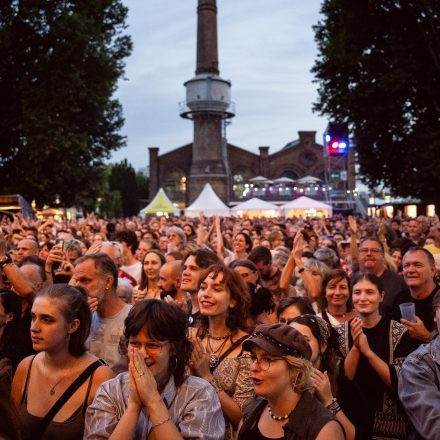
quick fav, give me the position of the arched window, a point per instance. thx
(290, 174)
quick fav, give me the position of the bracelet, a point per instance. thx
(216, 385)
(161, 423)
(334, 407)
(301, 270)
(48, 271)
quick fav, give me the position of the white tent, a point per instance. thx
(308, 180)
(160, 205)
(207, 202)
(256, 207)
(307, 207)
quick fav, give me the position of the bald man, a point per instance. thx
(170, 276)
(25, 248)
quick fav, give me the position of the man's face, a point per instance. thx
(167, 283)
(26, 248)
(371, 257)
(87, 275)
(414, 229)
(190, 275)
(248, 275)
(263, 268)
(417, 271)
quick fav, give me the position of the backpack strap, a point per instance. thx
(38, 432)
(237, 343)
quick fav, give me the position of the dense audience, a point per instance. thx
(209, 328)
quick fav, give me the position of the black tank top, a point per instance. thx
(70, 429)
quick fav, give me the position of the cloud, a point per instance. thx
(265, 48)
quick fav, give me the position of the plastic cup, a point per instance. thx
(408, 311)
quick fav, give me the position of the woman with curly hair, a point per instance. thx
(284, 408)
(218, 354)
(155, 398)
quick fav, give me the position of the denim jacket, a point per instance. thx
(419, 390)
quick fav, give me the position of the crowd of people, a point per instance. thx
(220, 328)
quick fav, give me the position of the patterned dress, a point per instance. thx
(234, 376)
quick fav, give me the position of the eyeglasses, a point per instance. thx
(263, 362)
(370, 250)
(152, 348)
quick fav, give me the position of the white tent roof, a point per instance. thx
(255, 204)
(284, 180)
(207, 202)
(307, 203)
(308, 179)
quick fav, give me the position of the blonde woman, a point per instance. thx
(284, 407)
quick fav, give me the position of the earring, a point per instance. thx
(296, 380)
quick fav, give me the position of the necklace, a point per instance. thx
(213, 358)
(52, 387)
(277, 418)
(219, 338)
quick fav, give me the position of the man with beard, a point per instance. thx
(98, 274)
(170, 276)
(269, 274)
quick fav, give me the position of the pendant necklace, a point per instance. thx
(52, 387)
(213, 358)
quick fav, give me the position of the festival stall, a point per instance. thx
(256, 207)
(208, 203)
(306, 207)
(160, 205)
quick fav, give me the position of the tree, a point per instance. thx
(378, 69)
(122, 178)
(59, 66)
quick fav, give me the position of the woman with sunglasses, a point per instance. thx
(323, 341)
(156, 398)
(284, 408)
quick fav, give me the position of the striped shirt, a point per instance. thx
(194, 408)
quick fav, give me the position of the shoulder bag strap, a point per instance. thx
(38, 432)
(232, 347)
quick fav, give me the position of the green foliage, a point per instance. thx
(59, 66)
(379, 70)
(122, 178)
(143, 186)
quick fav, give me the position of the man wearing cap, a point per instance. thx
(283, 408)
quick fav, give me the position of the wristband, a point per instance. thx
(334, 407)
(301, 270)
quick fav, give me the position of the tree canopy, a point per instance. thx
(378, 69)
(59, 66)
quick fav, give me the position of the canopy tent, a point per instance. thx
(260, 179)
(307, 180)
(160, 205)
(256, 207)
(284, 180)
(208, 202)
(306, 207)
